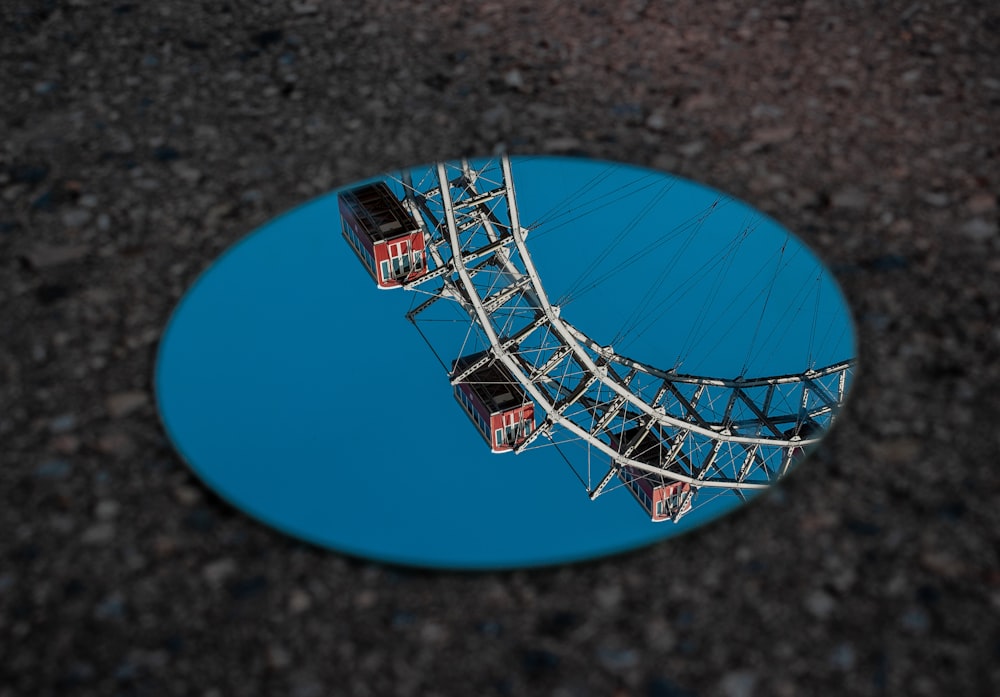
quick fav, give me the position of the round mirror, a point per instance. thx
(505, 362)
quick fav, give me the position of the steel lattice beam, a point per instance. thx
(467, 229)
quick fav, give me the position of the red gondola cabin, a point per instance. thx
(661, 498)
(501, 410)
(383, 234)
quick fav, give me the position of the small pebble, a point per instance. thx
(432, 633)
(561, 144)
(657, 121)
(122, 404)
(617, 660)
(53, 469)
(110, 608)
(66, 444)
(187, 495)
(107, 509)
(691, 149)
(915, 620)
(44, 256)
(979, 229)
(76, 217)
(62, 423)
(981, 203)
(738, 683)
(850, 198)
(299, 601)
(938, 199)
(216, 572)
(513, 78)
(99, 534)
(843, 657)
(820, 604)
(116, 443)
(278, 657)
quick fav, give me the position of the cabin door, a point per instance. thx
(511, 428)
(399, 258)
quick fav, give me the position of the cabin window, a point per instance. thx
(385, 270)
(659, 507)
(401, 265)
(498, 436)
(418, 260)
(511, 434)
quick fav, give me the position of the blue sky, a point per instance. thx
(299, 392)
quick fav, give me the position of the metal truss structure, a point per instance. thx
(738, 434)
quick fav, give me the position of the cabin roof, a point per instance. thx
(651, 450)
(493, 384)
(377, 210)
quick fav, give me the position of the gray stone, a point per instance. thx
(657, 121)
(62, 423)
(305, 7)
(843, 657)
(278, 657)
(766, 111)
(496, 115)
(513, 78)
(98, 534)
(938, 199)
(111, 607)
(561, 144)
(691, 149)
(307, 685)
(820, 604)
(116, 443)
(772, 136)
(53, 469)
(617, 660)
(738, 683)
(299, 601)
(186, 172)
(850, 198)
(915, 620)
(121, 404)
(187, 495)
(218, 571)
(981, 203)
(44, 256)
(65, 444)
(107, 509)
(979, 229)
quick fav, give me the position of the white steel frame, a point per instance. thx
(588, 389)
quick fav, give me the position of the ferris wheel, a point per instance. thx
(528, 378)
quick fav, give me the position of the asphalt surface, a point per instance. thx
(141, 139)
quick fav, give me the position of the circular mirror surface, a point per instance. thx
(505, 362)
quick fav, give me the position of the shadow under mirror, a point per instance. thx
(505, 362)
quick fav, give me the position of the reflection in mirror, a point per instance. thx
(729, 291)
(573, 358)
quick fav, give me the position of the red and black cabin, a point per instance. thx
(661, 498)
(383, 234)
(499, 407)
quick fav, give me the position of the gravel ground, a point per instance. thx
(143, 138)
